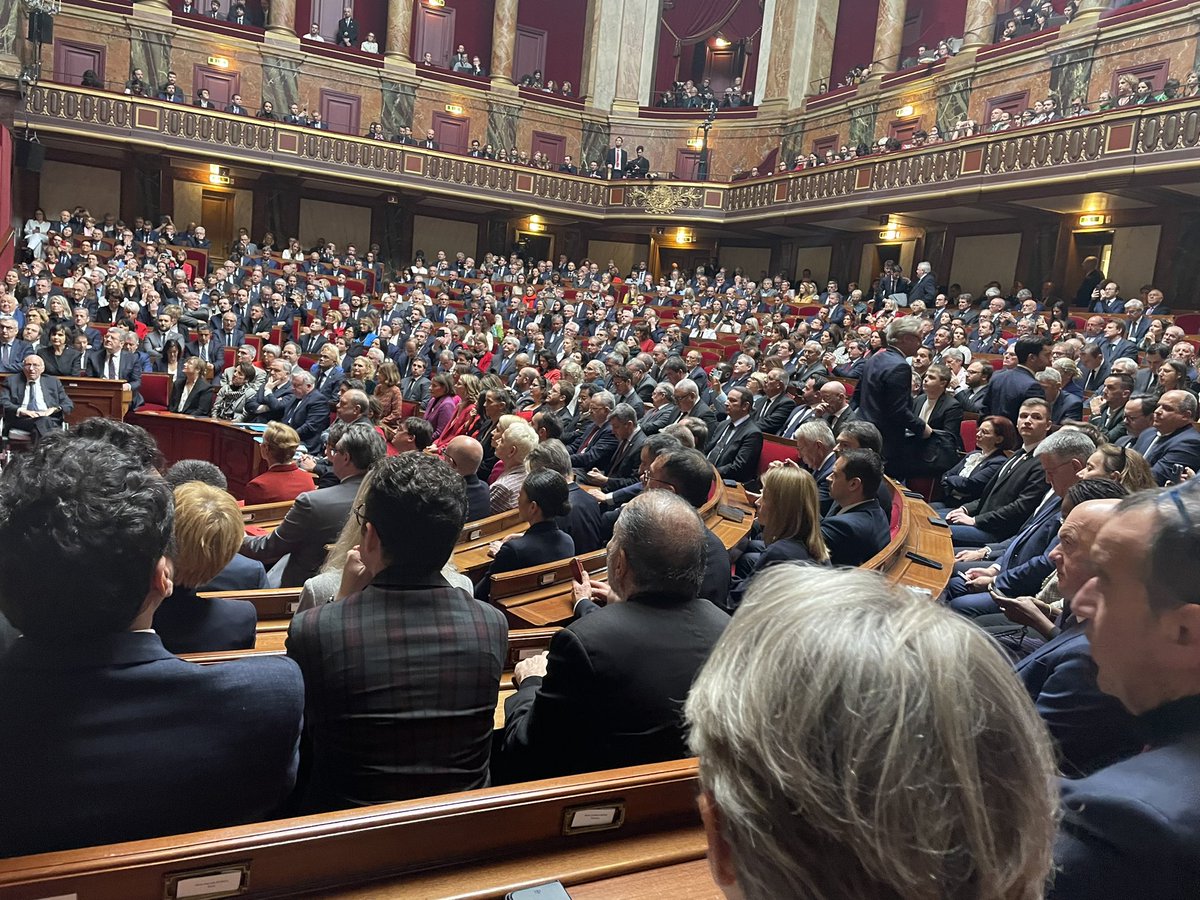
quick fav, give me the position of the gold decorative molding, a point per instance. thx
(664, 199)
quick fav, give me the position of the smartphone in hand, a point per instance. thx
(577, 572)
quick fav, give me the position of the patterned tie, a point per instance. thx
(112, 367)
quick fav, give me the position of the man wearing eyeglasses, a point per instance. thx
(33, 401)
(1130, 829)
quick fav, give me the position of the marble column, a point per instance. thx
(281, 18)
(798, 44)
(504, 38)
(889, 30)
(398, 38)
(1089, 10)
(980, 23)
(601, 48)
(157, 6)
(635, 64)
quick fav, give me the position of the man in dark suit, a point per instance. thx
(311, 337)
(1177, 445)
(34, 401)
(687, 399)
(327, 374)
(316, 518)
(1129, 829)
(347, 29)
(110, 362)
(615, 159)
(777, 407)
(1013, 493)
(13, 350)
(973, 396)
(737, 445)
(430, 141)
(206, 348)
(597, 443)
(622, 467)
(404, 650)
(857, 527)
(1090, 728)
(1115, 345)
(141, 744)
(590, 703)
(1139, 422)
(925, 287)
(885, 396)
(1010, 388)
(415, 387)
(464, 455)
(192, 395)
(1112, 400)
(1063, 405)
(308, 412)
(275, 396)
(239, 574)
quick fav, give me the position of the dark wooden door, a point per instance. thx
(433, 33)
(530, 52)
(341, 111)
(72, 59)
(221, 84)
(452, 133)
(551, 145)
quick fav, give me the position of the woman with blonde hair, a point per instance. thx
(323, 587)
(1123, 465)
(390, 398)
(284, 479)
(789, 513)
(208, 534)
(516, 439)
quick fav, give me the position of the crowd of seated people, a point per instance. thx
(536, 81)
(1037, 17)
(601, 405)
(689, 95)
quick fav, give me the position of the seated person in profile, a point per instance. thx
(542, 499)
(283, 479)
(823, 667)
(609, 692)
(857, 527)
(208, 533)
(402, 649)
(105, 736)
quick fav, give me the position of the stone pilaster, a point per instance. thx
(504, 37)
(889, 31)
(398, 35)
(980, 23)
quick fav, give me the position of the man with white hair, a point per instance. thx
(112, 362)
(885, 396)
(925, 287)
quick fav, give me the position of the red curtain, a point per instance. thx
(693, 21)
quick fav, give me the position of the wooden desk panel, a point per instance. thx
(96, 398)
(232, 449)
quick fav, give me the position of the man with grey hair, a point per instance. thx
(885, 396)
(925, 287)
(592, 702)
(820, 668)
(111, 362)
(597, 442)
(1023, 561)
(1062, 405)
(316, 518)
(621, 469)
(687, 398)
(1176, 446)
(814, 444)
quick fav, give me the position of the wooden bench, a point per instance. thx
(269, 603)
(578, 829)
(471, 552)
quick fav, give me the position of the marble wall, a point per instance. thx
(953, 101)
(1070, 75)
(150, 51)
(399, 100)
(502, 119)
(864, 123)
(280, 82)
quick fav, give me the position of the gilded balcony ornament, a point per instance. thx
(664, 199)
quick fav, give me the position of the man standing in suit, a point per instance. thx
(403, 649)
(1129, 830)
(347, 29)
(415, 387)
(736, 447)
(616, 159)
(33, 401)
(857, 527)
(590, 703)
(1176, 446)
(316, 518)
(308, 412)
(1012, 387)
(170, 746)
(925, 287)
(885, 396)
(110, 362)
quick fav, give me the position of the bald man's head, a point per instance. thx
(833, 395)
(464, 454)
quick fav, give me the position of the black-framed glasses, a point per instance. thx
(359, 516)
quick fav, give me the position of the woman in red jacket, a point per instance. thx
(284, 480)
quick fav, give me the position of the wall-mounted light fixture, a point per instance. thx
(218, 175)
(695, 143)
(437, 3)
(720, 41)
(683, 236)
(891, 231)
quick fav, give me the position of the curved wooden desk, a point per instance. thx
(232, 449)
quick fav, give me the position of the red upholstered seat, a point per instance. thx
(156, 391)
(967, 431)
(775, 449)
(897, 512)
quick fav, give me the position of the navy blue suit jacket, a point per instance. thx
(542, 543)
(240, 574)
(599, 449)
(1131, 829)
(738, 457)
(885, 399)
(1165, 452)
(855, 535)
(310, 418)
(1007, 390)
(479, 503)
(1091, 728)
(141, 743)
(191, 624)
(584, 522)
(1025, 563)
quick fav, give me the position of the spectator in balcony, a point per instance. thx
(295, 116)
(347, 29)
(235, 106)
(267, 112)
(171, 91)
(214, 9)
(375, 132)
(316, 122)
(136, 86)
(639, 166)
(1170, 91)
(1127, 86)
(568, 167)
(370, 45)
(237, 14)
(461, 62)
(188, 8)
(566, 90)
(314, 33)
(92, 80)
(1143, 93)
(427, 60)
(430, 143)
(1009, 31)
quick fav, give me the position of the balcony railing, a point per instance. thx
(1132, 139)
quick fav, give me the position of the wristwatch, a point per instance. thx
(987, 552)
